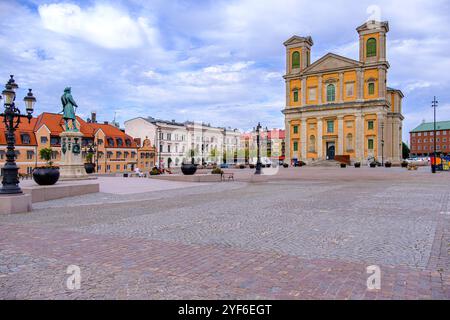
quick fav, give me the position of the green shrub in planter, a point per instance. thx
(155, 171)
(387, 164)
(373, 164)
(285, 165)
(404, 164)
(357, 164)
(343, 165)
(217, 171)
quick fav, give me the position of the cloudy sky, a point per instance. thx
(215, 61)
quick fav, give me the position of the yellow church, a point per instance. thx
(342, 108)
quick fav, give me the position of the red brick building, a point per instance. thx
(422, 139)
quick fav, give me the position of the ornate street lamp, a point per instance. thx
(434, 104)
(258, 153)
(93, 150)
(12, 119)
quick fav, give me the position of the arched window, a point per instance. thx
(331, 92)
(312, 143)
(349, 142)
(295, 93)
(295, 59)
(371, 47)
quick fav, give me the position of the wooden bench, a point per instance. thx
(227, 176)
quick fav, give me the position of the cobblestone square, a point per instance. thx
(302, 233)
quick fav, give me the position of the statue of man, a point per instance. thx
(69, 106)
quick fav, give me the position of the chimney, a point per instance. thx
(94, 117)
(106, 122)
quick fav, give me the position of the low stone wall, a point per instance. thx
(60, 190)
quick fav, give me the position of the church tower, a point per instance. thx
(298, 54)
(372, 41)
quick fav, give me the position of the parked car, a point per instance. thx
(224, 166)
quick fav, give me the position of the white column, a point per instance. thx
(319, 141)
(359, 137)
(341, 87)
(319, 90)
(340, 148)
(381, 133)
(360, 85)
(303, 140)
(361, 48)
(382, 53)
(287, 141)
(288, 93)
(381, 83)
(303, 91)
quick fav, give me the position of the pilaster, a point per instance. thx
(319, 138)
(340, 146)
(303, 140)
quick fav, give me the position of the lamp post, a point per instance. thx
(434, 104)
(12, 119)
(93, 150)
(382, 144)
(258, 153)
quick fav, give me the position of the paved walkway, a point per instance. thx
(298, 236)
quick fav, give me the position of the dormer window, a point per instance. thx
(295, 60)
(119, 142)
(371, 48)
(25, 137)
(110, 142)
(128, 142)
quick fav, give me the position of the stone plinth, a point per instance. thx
(187, 178)
(71, 165)
(60, 190)
(15, 203)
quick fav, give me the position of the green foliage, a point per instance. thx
(155, 171)
(405, 151)
(89, 157)
(46, 154)
(217, 171)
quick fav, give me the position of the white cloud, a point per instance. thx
(102, 25)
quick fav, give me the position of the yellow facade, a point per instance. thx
(340, 97)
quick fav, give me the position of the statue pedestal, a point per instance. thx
(71, 165)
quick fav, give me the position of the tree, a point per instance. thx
(405, 150)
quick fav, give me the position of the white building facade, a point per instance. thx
(178, 142)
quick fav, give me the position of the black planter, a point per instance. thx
(46, 176)
(404, 164)
(373, 164)
(89, 167)
(285, 165)
(388, 164)
(357, 164)
(188, 169)
(343, 165)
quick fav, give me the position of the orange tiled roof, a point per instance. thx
(54, 122)
(24, 128)
(113, 132)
